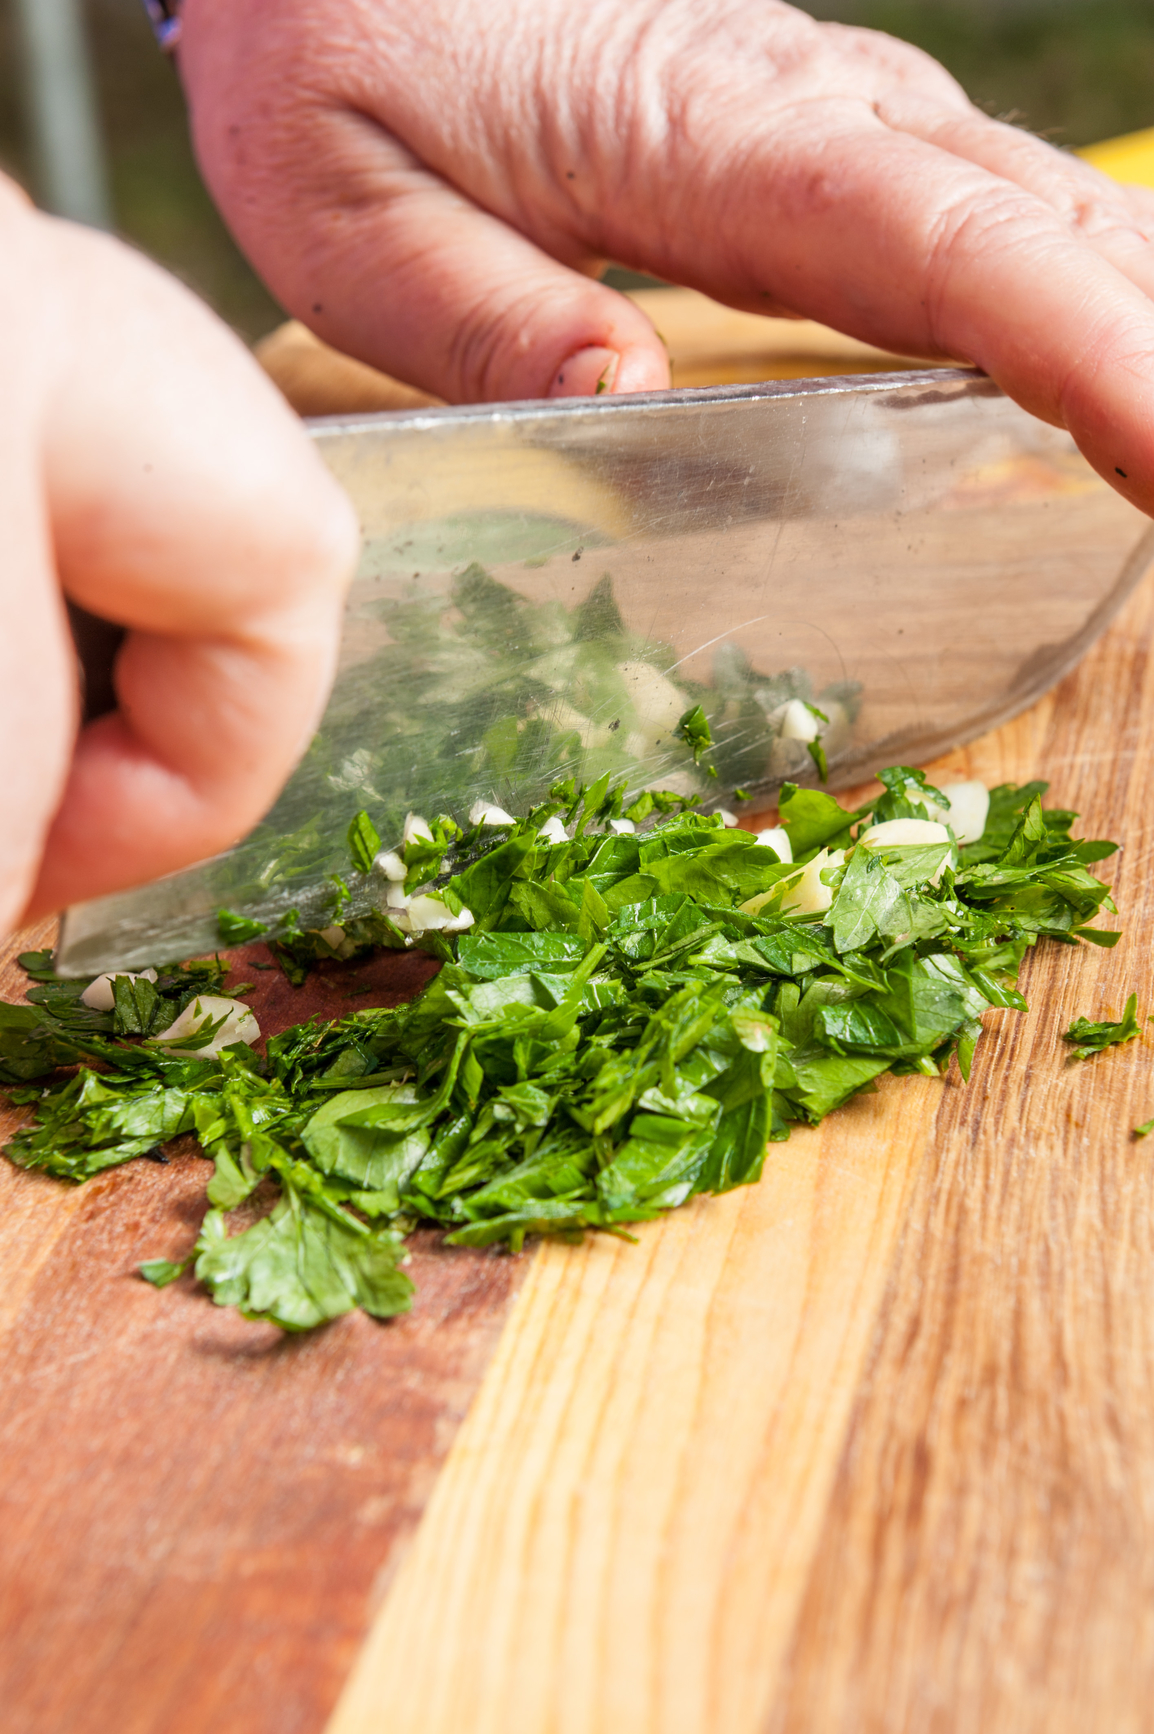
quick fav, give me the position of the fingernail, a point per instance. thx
(586, 374)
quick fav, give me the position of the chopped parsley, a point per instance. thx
(237, 929)
(631, 1009)
(363, 841)
(1094, 1038)
(694, 730)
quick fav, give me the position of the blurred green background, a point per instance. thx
(158, 197)
(1074, 70)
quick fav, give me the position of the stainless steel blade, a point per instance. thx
(545, 587)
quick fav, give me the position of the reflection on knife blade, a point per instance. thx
(479, 687)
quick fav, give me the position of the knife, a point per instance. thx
(888, 565)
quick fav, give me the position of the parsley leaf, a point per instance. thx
(694, 730)
(1094, 1038)
(161, 1271)
(817, 753)
(364, 842)
(237, 929)
(300, 1266)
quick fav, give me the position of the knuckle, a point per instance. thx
(511, 342)
(1101, 216)
(982, 229)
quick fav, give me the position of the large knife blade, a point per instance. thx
(546, 587)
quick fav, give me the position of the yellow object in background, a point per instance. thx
(1129, 158)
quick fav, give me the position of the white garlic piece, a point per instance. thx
(807, 895)
(904, 834)
(488, 813)
(968, 810)
(798, 722)
(427, 914)
(390, 864)
(658, 705)
(776, 837)
(239, 1025)
(98, 995)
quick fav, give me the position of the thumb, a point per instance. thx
(474, 312)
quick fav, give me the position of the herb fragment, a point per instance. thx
(1094, 1038)
(364, 843)
(302, 1265)
(237, 929)
(161, 1271)
(693, 729)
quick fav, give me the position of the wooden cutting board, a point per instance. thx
(869, 1446)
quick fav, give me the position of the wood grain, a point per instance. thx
(197, 1514)
(987, 1562)
(602, 1532)
(868, 1448)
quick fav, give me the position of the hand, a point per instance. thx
(430, 188)
(149, 472)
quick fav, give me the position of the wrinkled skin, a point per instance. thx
(430, 187)
(149, 470)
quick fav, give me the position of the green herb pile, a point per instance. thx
(630, 1019)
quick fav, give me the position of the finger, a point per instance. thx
(729, 148)
(1140, 204)
(187, 505)
(475, 313)
(180, 771)
(38, 698)
(1117, 224)
(415, 278)
(1059, 177)
(947, 259)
